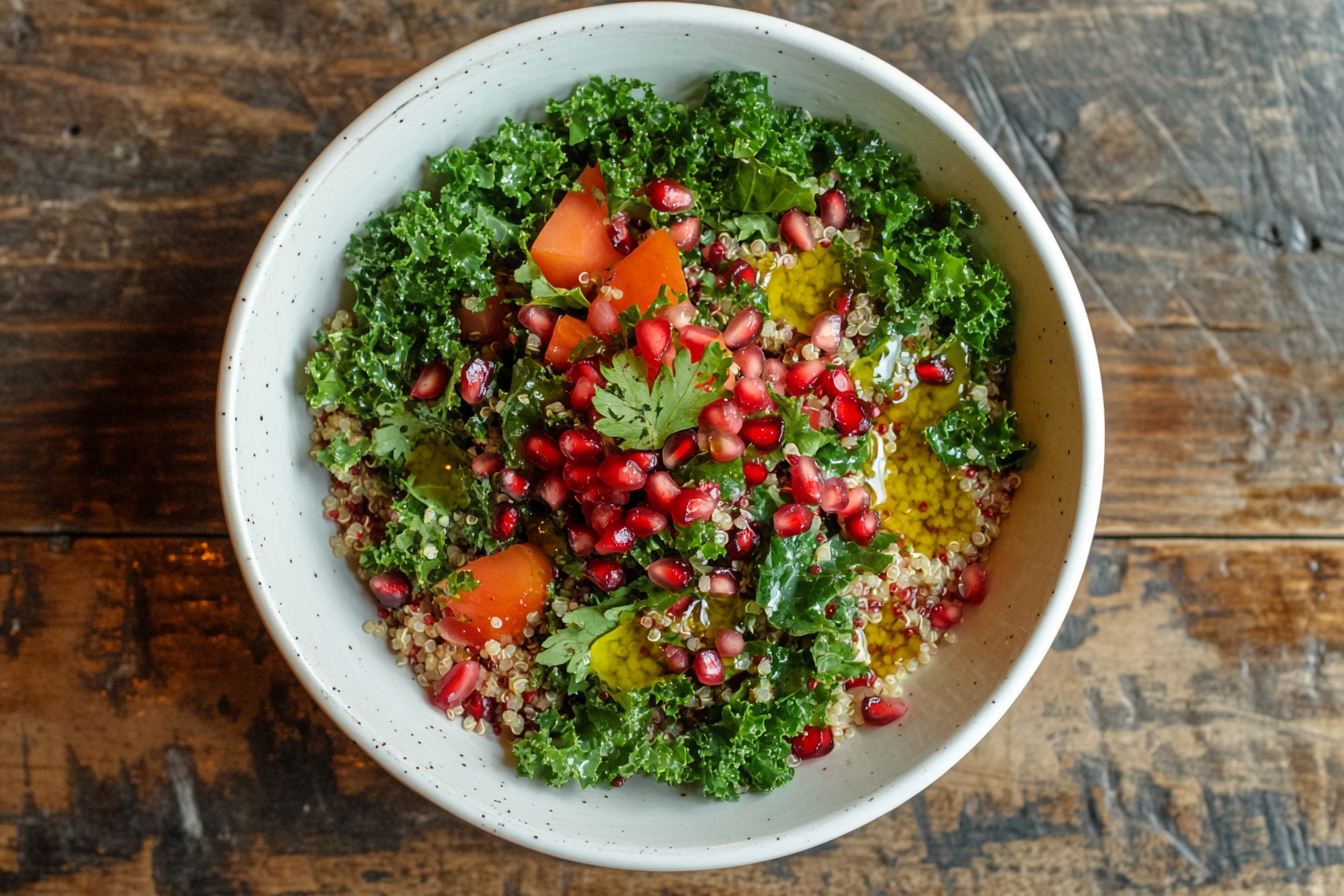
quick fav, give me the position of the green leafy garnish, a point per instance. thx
(968, 435)
(642, 418)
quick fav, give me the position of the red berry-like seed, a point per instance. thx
(755, 473)
(743, 328)
(487, 464)
(750, 361)
(602, 516)
(725, 447)
(392, 588)
(971, 585)
(671, 574)
(714, 255)
(685, 233)
(622, 473)
(729, 643)
(882, 710)
(813, 743)
(695, 339)
(803, 376)
(834, 495)
(666, 195)
(539, 320)
(828, 328)
(867, 680)
(861, 527)
(647, 460)
(721, 415)
(475, 380)
(851, 415)
(621, 236)
(740, 272)
(724, 583)
(678, 659)
(843, 301)
(505, 522)
(579, 475)
(515, 485)
(835, 382)
(553, 490)
(776, 374)
(453, 689)
(944, 616)
(478, 705)
(541, 449)
(751, 395)
(582, 539)
(793, 519)
(581, 396)
(645, 522)
(794, 228)
(691, 506)
(679, 448)
(742, 543)
(708, 668)
(616, 539)
(603, 318)
(832, 209)
(764, 433)
(431, 382)
(859, 499)
(586, 368)
(653, 337)
(662, 491)
(805, 477)
(580, 444)
(605, 573)
(934, 371)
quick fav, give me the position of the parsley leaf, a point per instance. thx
(642, 418)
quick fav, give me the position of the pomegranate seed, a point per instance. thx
(645, 521)
(776, 374)
(678, 659)
(515, 485)
(861, 527)
(671, 574)
(944, 616)
(832, 209)
(581, 396)
(834, 495)
(475, 379)
(851, 417)
(836, 382)
(454, 688)
(580, 444)
(679, 315)
(742, 543)
(696, 338)
(793, 226)
(679, 448)
(392, 588)
(725, 447)
(666, 195)
(653, 337)
(582, 539)
(828, 328)
(586, 368)
(618, 231)
(661, 490)
(793, 519)
(729, 643)
(740, 272)
(805, 477)
(752, 396)
(685, 233)
(859, 500)
(692, 505)
(714, 255)
(724, 583)
(882, 710)
(844, 301)
(602, 516)
(505, 522)
(579, 475)
(487, 464)
(721, 415)
(867, 680)
(541, 449)
(803, 376)
(616, 539)
(934, 371)
(971, 586)
(431, 382)
(553, 491)
(712, 489)
(708, 668)
(622, 473)
(603, 319)
(755, 472)
(597, 493)
(743, 329)
(478, 705)
(765, 433)
(539, 320)
(647, 460)
(750, 361)
(605, 573)
(813, 743)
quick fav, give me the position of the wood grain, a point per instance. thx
(1185, 156)
(1183, 736)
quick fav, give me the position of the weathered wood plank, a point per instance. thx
(1185, 735)
(1186, 156)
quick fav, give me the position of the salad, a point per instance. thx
(668, 440)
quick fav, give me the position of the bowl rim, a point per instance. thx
(888, 796)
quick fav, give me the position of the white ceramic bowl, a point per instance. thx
(313, 605)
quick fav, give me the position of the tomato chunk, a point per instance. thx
(511, 584)
(655, 263)
(569, 332)
(575, 239)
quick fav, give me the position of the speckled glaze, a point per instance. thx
(314, 606)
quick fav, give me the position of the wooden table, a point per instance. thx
(1184, 735)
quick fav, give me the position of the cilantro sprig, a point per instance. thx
(642, 417)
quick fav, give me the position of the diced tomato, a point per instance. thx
(569, 332)
(639, 276)
(511, 585)
(574, 239)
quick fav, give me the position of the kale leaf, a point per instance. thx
(968, 435)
